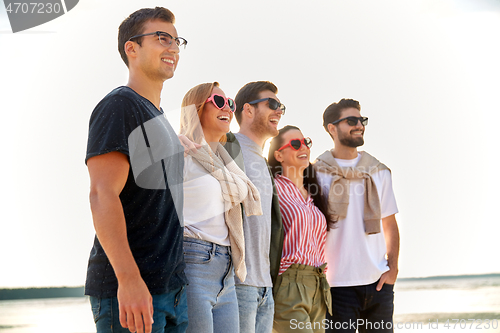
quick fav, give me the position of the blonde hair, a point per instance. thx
(196, 97)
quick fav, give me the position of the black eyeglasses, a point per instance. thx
(273, 104)
(165, 38)
(353, 121)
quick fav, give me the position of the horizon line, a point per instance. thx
(399, 279)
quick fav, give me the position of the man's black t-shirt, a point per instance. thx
(130, 124)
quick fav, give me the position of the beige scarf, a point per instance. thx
(338, 196)
(236, 188)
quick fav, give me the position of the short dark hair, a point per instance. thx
(250, 92)
(333, 111)
(134, 25)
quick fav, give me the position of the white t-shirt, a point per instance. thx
(355, 258)
(203, 205)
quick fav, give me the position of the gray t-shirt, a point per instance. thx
(257, 228)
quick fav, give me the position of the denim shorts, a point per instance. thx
(170, 313)
(211, 296)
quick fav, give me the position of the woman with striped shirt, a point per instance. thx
(301, 291)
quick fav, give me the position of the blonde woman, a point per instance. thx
(214, 187)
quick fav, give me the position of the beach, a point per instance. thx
(439, 304)
(55, 315)
(436, 304)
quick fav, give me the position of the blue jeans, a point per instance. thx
(211, 297)
(361, 302)
(256, 306)
(170, 313)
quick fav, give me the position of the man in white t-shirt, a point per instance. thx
(362, 247)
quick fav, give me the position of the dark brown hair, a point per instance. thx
(333, 111)
(134, 25)
(250, 92)
(311, 183)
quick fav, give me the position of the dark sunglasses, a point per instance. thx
(353, 121)
(273, 104)
(221, 101)
(297, 143)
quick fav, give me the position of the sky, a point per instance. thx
(426, 73)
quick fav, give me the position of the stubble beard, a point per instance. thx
(260, 126)
(157, 74)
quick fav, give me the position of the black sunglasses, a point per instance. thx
(273, 104)
(353, 121)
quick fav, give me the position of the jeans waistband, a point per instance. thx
(216, 248)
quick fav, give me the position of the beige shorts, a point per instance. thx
(301, 298)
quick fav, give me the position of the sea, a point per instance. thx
(432, 304)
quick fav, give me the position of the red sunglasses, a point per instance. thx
(297, 143)
(220, 102)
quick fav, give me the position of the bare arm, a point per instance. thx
(391, 233)
(108, 175)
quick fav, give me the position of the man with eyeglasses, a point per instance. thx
(135, 275)
(362, 247)
(258, 112)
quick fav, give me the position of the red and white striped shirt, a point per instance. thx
(304, 224)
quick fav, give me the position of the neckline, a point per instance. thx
(144, 98)
(350, 160)
(309, 197)
(249, 142)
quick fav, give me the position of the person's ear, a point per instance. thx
(278, 156)
(332, 129)
(249, 110)
(131, 49)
